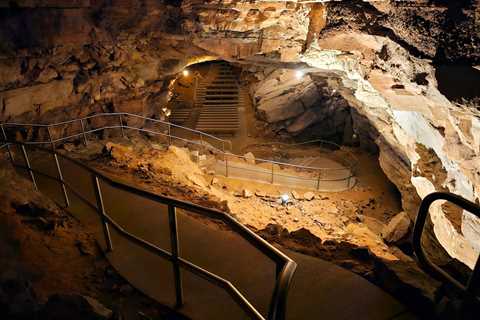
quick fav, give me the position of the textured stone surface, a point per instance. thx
(397, 228)
(124, 55)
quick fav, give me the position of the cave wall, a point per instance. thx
(62, 59)
(61, 62)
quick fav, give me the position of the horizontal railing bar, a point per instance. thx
(330, 143)
(283, 163)
(173, 137)
(116, 114)
(225, 284)
(177, 126)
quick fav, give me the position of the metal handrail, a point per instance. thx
(285, 267)
(320, 172)
(352, 163)
(474, 281)
(169, 124)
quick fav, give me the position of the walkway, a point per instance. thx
(320, 289)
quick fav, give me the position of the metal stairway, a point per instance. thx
(218, 100)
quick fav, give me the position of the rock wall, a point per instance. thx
(122, 55)
(104, 56)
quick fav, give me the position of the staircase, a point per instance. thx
(218, 99)
(181, 112)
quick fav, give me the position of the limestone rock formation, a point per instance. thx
(397, 228)
(97, 56)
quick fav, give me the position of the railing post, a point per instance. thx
(83, 132)
(226, 164)
(172, 219)
(59, 170)
(29, 168)
(121, 125)
(272, 172)
(10, 154)
(169, 134)
(101, 212)
(318, 180)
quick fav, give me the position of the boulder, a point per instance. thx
(296, 195)
(397, 228)
(247, 193)
(249, 158)
(47, 75)
(309, 195)
(118, 152)
(260, 194)
(39, 98)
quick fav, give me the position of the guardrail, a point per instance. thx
(470, 290)
(350, 162)
(285, 267)
(164, 128)
(274, 172)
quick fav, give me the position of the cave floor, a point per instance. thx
(319, 290)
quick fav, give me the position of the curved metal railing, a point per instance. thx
(470, 290)
(326, 179)
(285, 267)
(350, 162)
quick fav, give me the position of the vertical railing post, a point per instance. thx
(223, 146)
(29, 168)
(226, 164)
(83, 132)
(101, 212)
(10, 154)
(59, 170)
(121, 125)
(318, 180)
(172, 219)
(169, 134)
(272, 172)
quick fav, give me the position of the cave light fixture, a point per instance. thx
(284, 198)
(299, 74)
(185, 73)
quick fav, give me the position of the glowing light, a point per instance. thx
(299, 74)
(284, 198)
(185, 73)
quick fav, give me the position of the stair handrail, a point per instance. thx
(473, 283)
(285, 267)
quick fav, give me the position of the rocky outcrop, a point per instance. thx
(397, 228)
(123, 55)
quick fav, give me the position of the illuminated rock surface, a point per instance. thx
(374, 57)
